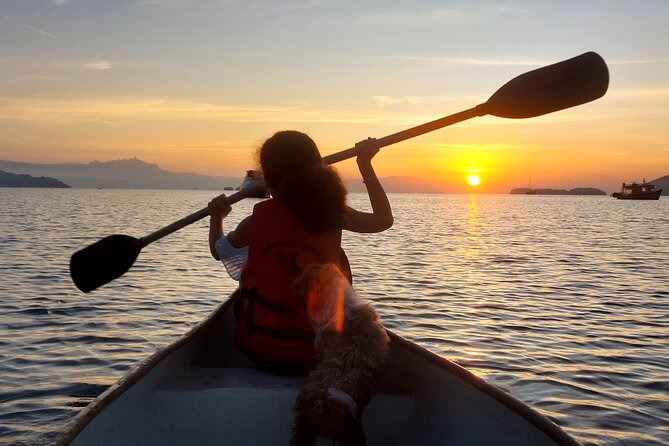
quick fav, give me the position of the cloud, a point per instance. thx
(162, 5)
(636, 61)
(98, 65)
(57, 112)
(470, 60)
(454, 16)
(385, 101)
(660, 92)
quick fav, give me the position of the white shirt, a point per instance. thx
(233, 258)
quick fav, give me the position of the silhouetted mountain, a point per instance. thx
(121, 174)
(575, 191)
(662, 183)
(137, 174)
(8, 179)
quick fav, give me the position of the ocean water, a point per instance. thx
(561, 301)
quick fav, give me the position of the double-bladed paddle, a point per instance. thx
(555, 87)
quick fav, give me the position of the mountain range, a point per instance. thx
(137, 174)
(121, 174)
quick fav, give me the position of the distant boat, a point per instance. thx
(638, 191)
(529, 190)
(254, 178)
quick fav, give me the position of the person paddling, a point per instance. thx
(301, 224)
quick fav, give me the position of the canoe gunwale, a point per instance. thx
(541, 422)
(87, 414)
(72, 429)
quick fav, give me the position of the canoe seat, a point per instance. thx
(251, 406)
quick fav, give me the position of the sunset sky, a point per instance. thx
(197, 86)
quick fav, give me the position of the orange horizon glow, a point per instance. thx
(189, 105)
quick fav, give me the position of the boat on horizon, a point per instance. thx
(254, 178)
(638, 191)
(202, 390)
(529, 190)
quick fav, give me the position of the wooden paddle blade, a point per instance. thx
(555, 87)
(103, 261)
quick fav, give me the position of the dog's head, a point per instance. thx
(320, 291)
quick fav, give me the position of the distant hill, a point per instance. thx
(662, 183)
(575, 191)
(121, 174)
(8, 179)
(137, 174)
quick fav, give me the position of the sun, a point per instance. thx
(473, 180)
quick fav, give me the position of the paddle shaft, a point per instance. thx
(195, 216)
(479, 110)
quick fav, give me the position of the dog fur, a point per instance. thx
(351, 349)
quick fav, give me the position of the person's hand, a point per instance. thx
(367, 149)
(219, 207)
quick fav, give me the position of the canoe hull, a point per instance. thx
(202, 391)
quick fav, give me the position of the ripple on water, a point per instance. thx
(541, 297)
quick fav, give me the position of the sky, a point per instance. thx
(197, 86)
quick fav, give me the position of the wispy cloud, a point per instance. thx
(98, 65)
(454, 16)
(162, 5)
(385, 101)
(56, 112)
(30, 27)
(470, 60)
(64, 111)
(635, 61)
(660, 92)
(299, 5)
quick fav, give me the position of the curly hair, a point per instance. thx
(293, 171)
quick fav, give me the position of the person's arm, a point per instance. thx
(218, 210)
(381, 217)
(232, 249)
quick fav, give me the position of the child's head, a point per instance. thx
(295, 174)
(287, 153)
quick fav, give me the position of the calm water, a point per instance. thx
(562, 301)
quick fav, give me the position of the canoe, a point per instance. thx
(202, 391)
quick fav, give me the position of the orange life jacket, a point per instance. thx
(271, 328)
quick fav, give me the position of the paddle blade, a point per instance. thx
(103, 261)
(555, 87)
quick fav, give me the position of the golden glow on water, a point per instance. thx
(472, 231)
(541, 297)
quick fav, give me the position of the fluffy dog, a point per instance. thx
(351, 349)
